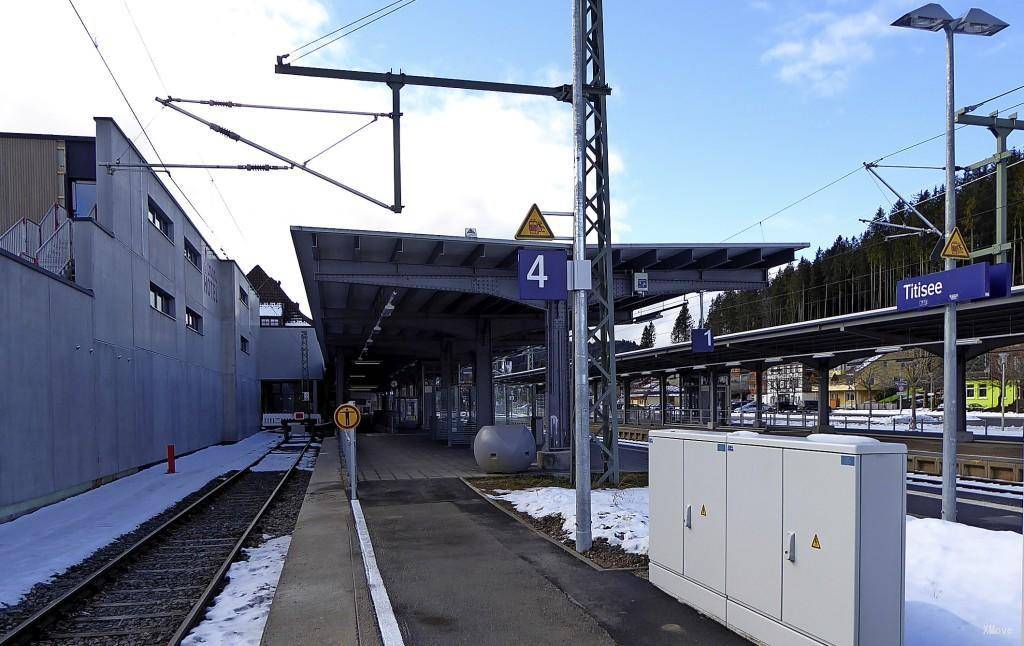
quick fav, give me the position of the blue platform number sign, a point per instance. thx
(702, 340)
(542, 275)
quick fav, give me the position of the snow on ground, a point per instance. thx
(239, 613)
(38, 546)
(283, 461)
(963, 584)
(620, 515)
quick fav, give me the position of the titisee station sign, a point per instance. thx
(970, 283)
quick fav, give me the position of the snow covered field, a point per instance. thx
(239, 613)
(38, 546)
(963, 584)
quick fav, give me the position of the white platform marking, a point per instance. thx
(389, 632)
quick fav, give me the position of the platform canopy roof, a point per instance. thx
(982, 326)
(405, 291)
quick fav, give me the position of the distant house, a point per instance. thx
(984, 393)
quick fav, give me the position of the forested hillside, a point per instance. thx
(860, 272)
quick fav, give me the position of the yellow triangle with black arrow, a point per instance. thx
(956, 247)
(534, 226)
(703, 510)
(815, 543)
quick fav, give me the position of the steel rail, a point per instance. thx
(195, 614)
(27, 629)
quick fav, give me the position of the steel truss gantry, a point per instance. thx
(598, 229)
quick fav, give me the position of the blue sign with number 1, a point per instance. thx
(702, 340)
(542, 275)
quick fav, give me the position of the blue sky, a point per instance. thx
(723, 112)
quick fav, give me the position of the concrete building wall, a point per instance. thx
(94, 382)
(280, 356)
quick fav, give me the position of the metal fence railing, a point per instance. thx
(54, 218)
(22, 239)
(55, 253)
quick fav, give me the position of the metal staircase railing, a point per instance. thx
(55, 252)
(22, 239)
(48, 244)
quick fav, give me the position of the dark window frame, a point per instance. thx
(244, 344)
(161, 300)
(160, 220)
(190, 250)
(195, 325)
(243, 296)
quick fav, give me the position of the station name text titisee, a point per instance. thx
(917, 290)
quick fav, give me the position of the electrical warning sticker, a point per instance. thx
(703, 510)
(815, 543)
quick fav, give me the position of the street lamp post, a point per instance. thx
(1002, 392)
(932, 17)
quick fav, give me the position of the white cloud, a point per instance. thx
(821, 50)
(469, 159)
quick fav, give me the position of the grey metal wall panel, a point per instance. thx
(29, 179)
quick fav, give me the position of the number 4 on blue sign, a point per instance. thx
(542, 275)
(702, 340)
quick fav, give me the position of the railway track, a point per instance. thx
(156, 591)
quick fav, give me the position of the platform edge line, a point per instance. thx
(386, 620)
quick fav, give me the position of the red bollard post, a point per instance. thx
(170, 458)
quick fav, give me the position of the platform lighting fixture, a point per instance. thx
(886, 349)
(732, 364)
(823, 355)
(357, 376)
(700, 367)
(773, 360)
(971, 341)
(932, 17)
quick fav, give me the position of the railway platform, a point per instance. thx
(455, 568)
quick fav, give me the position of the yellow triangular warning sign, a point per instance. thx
(815, 543)
(703, 511)
(534, 227)
(956, 248)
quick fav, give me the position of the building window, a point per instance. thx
(243, 296)
(192, 255)
(270, 321)
(970, 390)
(160, 220)
(83, 198)
(160, 300)
(193, 321)
(245, 345)
(982, 390)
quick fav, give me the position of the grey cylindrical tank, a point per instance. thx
(504, 448)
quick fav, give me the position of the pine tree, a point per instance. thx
(681, 328)
(648, 336)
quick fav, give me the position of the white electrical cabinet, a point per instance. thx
(785, 540)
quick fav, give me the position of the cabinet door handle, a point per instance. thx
(789, 548)
(686, 517)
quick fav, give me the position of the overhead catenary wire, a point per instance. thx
(349, 135)
(854, 171)
(345, 26)
(135, 115)
(975, 106)
(260, 106)
(353, 30)
(213, 182)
